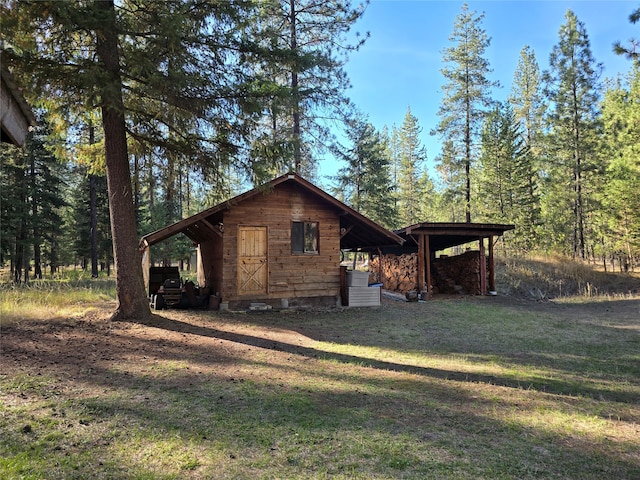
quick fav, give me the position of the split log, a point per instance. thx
(398, 273)
(459, 274)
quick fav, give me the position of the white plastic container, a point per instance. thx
(356, 278)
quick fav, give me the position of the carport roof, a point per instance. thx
(357, 231)
(445, 235)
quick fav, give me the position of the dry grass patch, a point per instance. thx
(547, 277)
(454, 388)
(53, 298)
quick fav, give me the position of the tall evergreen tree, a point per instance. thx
(365, 182)
(633, 50)
(306, 79)
(30, 206)
(452, 182)
(621, 144)
(466, 93)
(430, 209)
(393, 144)
(573, 91)
(89, 152)
(177, 60)
(411, 163)
(505, 176)
(91, 229)
(131, 297)
(14, 209)
(46, 186)
(526, 98)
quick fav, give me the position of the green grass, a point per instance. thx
(470, 387)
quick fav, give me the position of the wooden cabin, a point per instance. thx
(277, 244)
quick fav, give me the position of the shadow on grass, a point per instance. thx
(397, 421)
(542, 385)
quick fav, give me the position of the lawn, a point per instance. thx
(468, 387)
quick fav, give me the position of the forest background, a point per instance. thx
(223, 96)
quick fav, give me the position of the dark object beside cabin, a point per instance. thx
(172, 292)
(157, 278)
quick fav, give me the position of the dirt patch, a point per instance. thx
(88, 347)
(189, 393)
(96, 353)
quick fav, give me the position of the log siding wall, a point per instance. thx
(289, 275)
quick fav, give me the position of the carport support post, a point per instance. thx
(202, 281)
(421, 264)
(492, 268)
(145, 259)
(427, 252)
(483, 268)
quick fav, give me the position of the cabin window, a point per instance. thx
(304, 237)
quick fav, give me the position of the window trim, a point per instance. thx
(302, 241)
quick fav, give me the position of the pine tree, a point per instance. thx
(430, 200)
(466, 94)
(393, 145)
(452, 180)
(505, 176)
(31, 204)
(573, 91)
(14, 210)
(365, 182)
(526, 98)
(164, 66)
(91, 231)
(46, 175)
(633, 50)
(303, 76)
(621, 119)
(411, 163)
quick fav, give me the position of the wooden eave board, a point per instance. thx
(363, 232)
(15, 114)
(360, 236)
(461, 229)
(192, 227)
(446, 235)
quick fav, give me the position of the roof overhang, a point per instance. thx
(356, 231)
(446, 235)
(15, 114)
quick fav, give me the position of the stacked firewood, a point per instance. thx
(457, 274)
(399, 272)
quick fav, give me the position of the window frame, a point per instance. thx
(299, 238)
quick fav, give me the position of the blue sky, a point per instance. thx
(399, 65)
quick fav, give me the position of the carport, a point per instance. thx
(428, 238)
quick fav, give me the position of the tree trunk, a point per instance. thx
(467, 142)
(579, 247)
(297, 143)
(21, 231)
(132, 302)
(37, 252)
(93, 208)
(136, 184)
